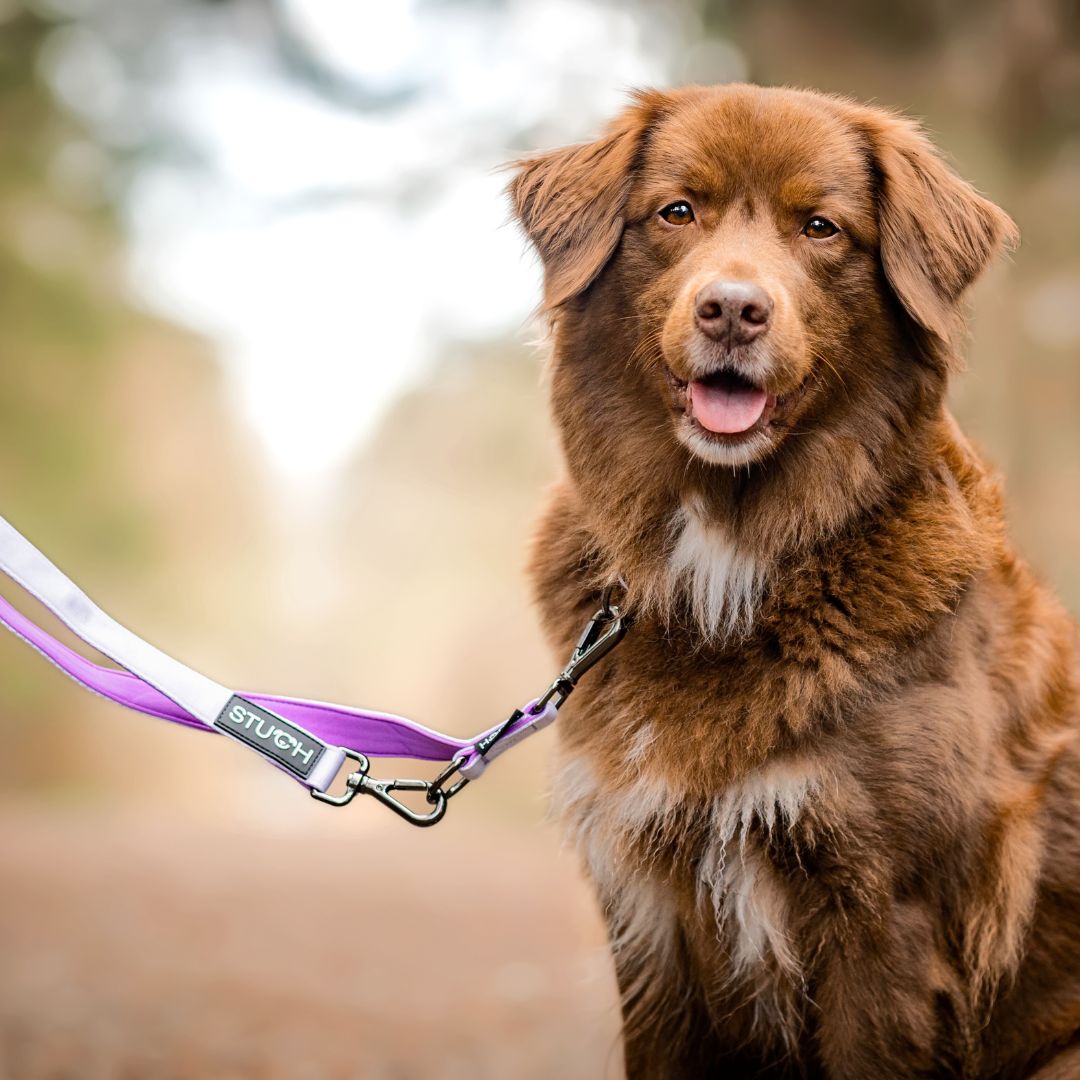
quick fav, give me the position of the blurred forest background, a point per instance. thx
(268, 392)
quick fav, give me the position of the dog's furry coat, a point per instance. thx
(828, 789)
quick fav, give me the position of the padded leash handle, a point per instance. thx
(285, 744)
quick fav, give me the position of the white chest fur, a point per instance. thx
(723, 582)
(621, 831)
(736, 877)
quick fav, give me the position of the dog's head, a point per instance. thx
(760, 258)
(755, 295)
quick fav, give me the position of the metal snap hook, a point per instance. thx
(381, 790)
(604, 631)
(359, 783)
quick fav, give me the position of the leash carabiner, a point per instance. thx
(359, 783)
(382, 789)
(602, 633)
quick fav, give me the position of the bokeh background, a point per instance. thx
(270, 391)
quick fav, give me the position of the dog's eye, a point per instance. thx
(819, 228)
(678, 213)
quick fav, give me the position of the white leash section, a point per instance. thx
(292, 748)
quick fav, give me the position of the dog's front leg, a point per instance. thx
(662, 1031)
(889, 1004)
(668, 1033)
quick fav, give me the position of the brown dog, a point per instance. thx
(828, 789)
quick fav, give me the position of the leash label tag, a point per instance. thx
(489, 740)
(294, 749)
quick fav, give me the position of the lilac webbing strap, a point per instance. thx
(306, 739)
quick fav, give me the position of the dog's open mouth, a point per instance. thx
(727, 403)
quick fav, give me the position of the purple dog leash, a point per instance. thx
(308, 740)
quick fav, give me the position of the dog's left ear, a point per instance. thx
(937, 232)
(570, 201)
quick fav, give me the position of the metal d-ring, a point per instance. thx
(352, 782)
(438, 785)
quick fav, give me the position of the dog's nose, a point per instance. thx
(734, 312)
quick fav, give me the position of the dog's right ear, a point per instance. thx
(570, 201)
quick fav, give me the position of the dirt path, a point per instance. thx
(185, 950)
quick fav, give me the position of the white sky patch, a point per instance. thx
(330, 253)
(366, 39)
(324, 316)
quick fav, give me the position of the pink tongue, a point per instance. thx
(726, 411)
